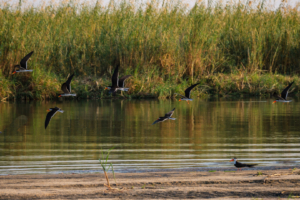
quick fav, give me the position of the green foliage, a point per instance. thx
(105, 165)
(104, 161)
(259, 173)
(159, 45)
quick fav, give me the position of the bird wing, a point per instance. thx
(69, 82)
(49, 116)
(238, 164)
(161, 119)
(180, 95)
(23, 62)
(251, 165)
(122, 80)
(115, 77)
(65, 89)
(17, 67)
(285, 92)
(188, 90)
(169, 114)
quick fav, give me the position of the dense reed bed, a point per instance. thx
(230, 49)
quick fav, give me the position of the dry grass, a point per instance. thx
(161, 46)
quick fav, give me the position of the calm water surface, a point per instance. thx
(206, 133)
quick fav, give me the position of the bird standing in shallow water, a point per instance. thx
(284, 94)
(166, 117)
(187, 92)
(240, 165)
(51, 113)
(23, 64)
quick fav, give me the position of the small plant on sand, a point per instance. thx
(106, 166)
(291, 196)
(259, 174)
(143, 187)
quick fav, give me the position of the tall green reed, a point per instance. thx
(164, 43)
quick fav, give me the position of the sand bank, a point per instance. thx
(248, 184)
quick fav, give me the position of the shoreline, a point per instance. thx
(218, 85)
(248, 184)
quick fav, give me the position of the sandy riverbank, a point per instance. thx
(248, 184)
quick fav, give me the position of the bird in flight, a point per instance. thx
(66, 88)
(284, 94)
(23, 64)
(187, 92)
(51, 113)
(166, 117)
(121, 83)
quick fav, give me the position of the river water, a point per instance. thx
(206, 133)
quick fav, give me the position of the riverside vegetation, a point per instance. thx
(233, 49)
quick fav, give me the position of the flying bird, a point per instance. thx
(166, 117)
(51, 113)
(240, 165)
(23, 64)
(66, 88)
(115, 81)
(284, 94)
(187, 92)
(121, 83)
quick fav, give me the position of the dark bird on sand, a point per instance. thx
(240, 165)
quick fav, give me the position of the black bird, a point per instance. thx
(66, 87)
(284, 94)
(167, 116)
(240, 165)
(115, 81)
(187, 92)
(121, 84)
(23, 64)
(51, 113)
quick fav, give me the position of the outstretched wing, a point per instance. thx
(69, 83)
(23, 62)
(180, 95)
(188, 90)
(115, 77)
(49, 116)
(161, 119)
(122, 80)
(65, 88)
(285, 92)
(17, 67)
(169, 114)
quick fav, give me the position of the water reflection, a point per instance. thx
(205, 133)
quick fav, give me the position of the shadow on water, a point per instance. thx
(204, 134)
